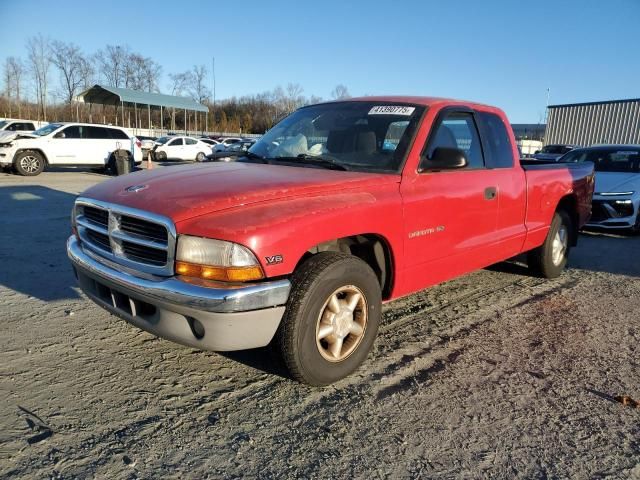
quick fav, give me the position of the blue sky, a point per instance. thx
(502, 52)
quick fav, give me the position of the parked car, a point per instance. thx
(616, 201)
(180, 148)
(146, 142)
(301, 240)
(67, 144)
(209, 141)
(552, 152)
(9, 128)
(240, 146)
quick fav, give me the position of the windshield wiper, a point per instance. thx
(314, 160)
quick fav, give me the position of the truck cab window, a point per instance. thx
(458, 130)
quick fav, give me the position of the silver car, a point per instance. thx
(616, 198)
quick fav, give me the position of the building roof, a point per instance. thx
(113, 95)
(561, 105)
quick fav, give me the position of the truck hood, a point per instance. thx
(608, 182)
(184, 192)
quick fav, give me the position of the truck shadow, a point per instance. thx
(34, 227)
(598, 251)
(264, 359)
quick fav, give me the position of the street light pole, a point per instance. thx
(213, 76)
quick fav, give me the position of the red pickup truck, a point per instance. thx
(339, 207)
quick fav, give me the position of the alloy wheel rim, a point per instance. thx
(559, 245)
(342, 323)
(30, 164)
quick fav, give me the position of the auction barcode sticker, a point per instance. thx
(391, 110)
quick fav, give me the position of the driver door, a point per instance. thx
(66, 146)
(450, 216)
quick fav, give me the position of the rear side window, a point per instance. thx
(496, 138)
(28, 126)
(98, 133)
(190, 141)
(117, 134)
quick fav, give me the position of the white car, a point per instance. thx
(180, 148)
(616, 198)
(67, 144)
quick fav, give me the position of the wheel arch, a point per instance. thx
(38, 150)
(569, 204)
(372, 248)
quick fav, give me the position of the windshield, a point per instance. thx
(3, 124)
(607, 160)
(47, 129)
(163, 140)
(359, 136)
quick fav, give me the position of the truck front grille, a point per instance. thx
(131, 237)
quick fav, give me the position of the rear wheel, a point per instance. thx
(549, 259)
(331, 319)
(29, 163)
(200, 157)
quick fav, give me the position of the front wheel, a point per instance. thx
(549, 259)
(29, 163)
(331, 319)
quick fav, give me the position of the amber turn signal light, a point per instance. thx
(224, 274)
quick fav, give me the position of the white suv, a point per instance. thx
(72, 144)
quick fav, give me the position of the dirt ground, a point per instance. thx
(496, 374)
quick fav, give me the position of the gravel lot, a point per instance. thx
(495, 374)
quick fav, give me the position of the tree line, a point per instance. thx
(44, 84)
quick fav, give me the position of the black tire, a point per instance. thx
(160, 157)
(200, 157)
(29, 163)
(542, 260)
(314, 283)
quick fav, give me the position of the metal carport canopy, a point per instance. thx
(115, 95)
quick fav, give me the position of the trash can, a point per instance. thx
(123, 162)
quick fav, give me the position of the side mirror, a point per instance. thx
(445, 158)
(60, 135)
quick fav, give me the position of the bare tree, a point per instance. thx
(38, 50)
(179, 84)
(150, 73)
(70, 62)
(340, 92)
(87, 73)
(111, 64)
(198, 88)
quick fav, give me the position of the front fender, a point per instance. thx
(280, 232)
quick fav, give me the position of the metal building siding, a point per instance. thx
(591, 123)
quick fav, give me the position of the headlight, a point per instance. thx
(5, 145)
(216, 260)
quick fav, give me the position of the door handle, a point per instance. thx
(490, 193)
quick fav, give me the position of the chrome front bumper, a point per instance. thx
(227, 317)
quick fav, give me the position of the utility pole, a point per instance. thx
(213, 76)
(546, 111)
